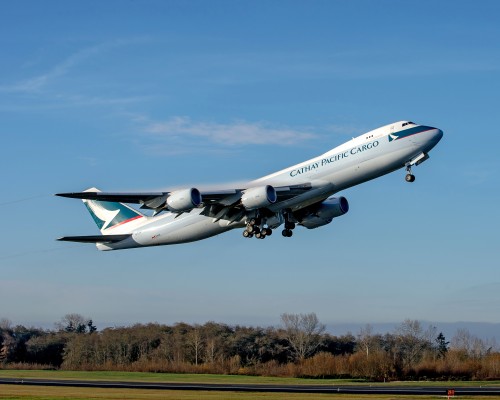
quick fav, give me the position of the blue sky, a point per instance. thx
(153, 95)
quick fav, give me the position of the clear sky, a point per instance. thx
(148, 95)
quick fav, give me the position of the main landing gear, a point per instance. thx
(288, 231)
(256, 228)
(409, 176)
(289, 226)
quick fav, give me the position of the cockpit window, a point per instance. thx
(408, 123)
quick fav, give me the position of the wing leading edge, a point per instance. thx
(151, 200)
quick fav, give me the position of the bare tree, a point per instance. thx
(195, 342)
(412, 341)
(74, 323)
(303, 333)
(216, 341)
(471, 345)
(366, 341)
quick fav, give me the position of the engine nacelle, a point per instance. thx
(322, 214)
(258, 197)
(184, 200)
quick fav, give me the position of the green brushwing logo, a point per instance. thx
(107, 214)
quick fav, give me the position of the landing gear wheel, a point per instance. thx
(269, 231)
(410, 178)
(254, 221)
(246, 233)
(287, 232)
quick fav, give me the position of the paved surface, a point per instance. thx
(345, 389)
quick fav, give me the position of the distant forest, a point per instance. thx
(299, 347)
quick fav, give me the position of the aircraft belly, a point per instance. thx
(129, 243)
(182, 230)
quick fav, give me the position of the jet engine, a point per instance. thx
(184, 200)
(321, 214)
(258, 197)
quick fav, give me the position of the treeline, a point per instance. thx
(299, 347)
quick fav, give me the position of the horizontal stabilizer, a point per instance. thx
(113, 197)
(95, 238)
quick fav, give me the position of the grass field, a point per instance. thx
(13, 392)
(49, 393)
(211, 378)
(160, 377)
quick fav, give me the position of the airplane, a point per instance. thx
(298, 195)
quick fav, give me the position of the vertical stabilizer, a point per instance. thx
(110, 215)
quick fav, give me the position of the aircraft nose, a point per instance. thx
(435, 135)
(438, 135)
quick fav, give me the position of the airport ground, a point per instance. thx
(13, 392)
(27, 390)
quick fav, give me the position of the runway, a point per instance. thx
(343, 389)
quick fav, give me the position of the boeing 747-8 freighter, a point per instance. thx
(299, 195)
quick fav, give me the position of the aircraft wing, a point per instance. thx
(95, 238)
(222, 197)
(229, 199)
(143, 198)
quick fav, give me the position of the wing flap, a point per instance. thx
(95, 238)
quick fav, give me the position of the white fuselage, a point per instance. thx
(363, 158)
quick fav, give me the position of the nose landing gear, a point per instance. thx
(409, 176)
(417, 160)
